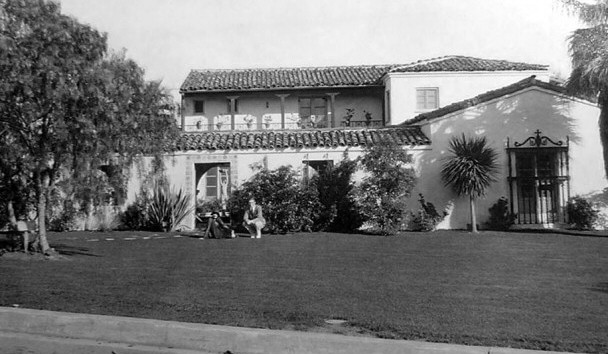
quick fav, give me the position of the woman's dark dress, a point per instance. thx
(217, 229)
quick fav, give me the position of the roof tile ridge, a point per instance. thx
(446, 57)
(427, 61)
(294, 68)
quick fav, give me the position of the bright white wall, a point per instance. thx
(516, 118)
(453, 87)
(181, 174)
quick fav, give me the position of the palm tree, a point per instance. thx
(589, 53)
(470, 169)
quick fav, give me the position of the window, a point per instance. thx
(212, 182)
(427, 98)
(313, 106)
(199, 106)
(232, 105)
(539, 187)
(314, 167)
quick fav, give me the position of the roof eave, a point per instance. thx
(181, 91)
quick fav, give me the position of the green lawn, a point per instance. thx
(536, 291)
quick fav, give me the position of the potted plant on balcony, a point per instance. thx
(350, 113)
(249, 120)
(313, 121)
(295, 117)
(368, 118)
(220, 120)
(267, 120)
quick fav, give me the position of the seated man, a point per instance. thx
(217, 229)
(254, 220)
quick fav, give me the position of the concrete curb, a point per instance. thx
(213, 338)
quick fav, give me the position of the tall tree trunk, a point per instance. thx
(603, 123)
(12, 218)
(41, 189)
(473, 216)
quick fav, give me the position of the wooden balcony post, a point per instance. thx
(182, 112)
(231, 111)
(332, 107)
(282, 97)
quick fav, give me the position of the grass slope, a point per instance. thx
(535, 291)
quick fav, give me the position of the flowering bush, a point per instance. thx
(581, 213)
(339, 210)
(286, 205)
(427, 217)
(388, 184)
(500, 216)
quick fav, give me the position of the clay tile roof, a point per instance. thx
(269, 140)
(485, 97)
(282, 78)
(462, 63)
(335, 76)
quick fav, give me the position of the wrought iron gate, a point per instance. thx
(539, 180)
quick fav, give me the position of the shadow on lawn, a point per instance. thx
(66, 250)
(570, 232)
(601, 287)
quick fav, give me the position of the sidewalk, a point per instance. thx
(136, 335)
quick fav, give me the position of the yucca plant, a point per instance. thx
(168, 208)
(470, 169)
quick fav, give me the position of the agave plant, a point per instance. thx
(168, 208)
(470, 169)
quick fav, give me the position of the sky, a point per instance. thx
(168, 38)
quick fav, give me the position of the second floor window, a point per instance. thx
(313, 106)
(427, 98)
(233, 105)
(199, 106)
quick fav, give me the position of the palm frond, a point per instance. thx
(591, 14)
(589, 52)
(472, 166)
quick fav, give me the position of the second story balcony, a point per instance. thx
(290, 121)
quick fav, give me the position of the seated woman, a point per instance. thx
(254, 221)
(217, 229)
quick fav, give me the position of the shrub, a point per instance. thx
(168, 208)
(500, 216)
(66, 218)
(286, 205)
(104, 219)
(581, 213)
(339, 211)
(389, 181)
(427, 217)
(135, 216)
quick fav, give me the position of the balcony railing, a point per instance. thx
(292, 122)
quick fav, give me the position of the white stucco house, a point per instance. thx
(235, 120)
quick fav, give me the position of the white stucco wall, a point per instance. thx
(452, 87)
(180, 167)
(514, 117)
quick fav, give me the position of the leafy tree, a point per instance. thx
(470, 169)
(68, 106)
(13, 181)
(589, 53)
(339, 211)
(387, 184)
